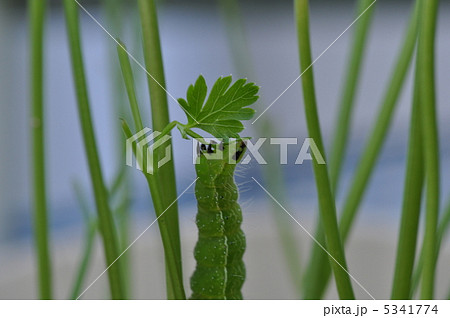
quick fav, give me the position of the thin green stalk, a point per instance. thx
(105, 218)
(366, 8)
(442, 232)
(372, 149)
(90, 232)
(122, 216)
(89, 235)
(169, 250)
(37, 19)
(160, 119)
(326, 200)
(128, 79)
(177, 291)
(380, 129)
(272, 173)
(412, 197)
(426, 52)
(314, 279)
(115, 12)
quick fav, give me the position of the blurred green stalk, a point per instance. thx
(442, 232)
(172, 274)
(426, 55)
(327, 206)
(175, 288)
(372, 148)
(105, 218)
(412, 197)
(116, 11)
(41, 227)
(314, 278)
(90, 228)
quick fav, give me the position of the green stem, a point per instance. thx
(426, 52)
(128, 79)
(314, 278)
(380, 129)
(442, 232)
(347, 103)
(326, 200)
(90, 226)
(372, 149)
(91, 230)
(412, 195)
(160, 119)
(160, 210)
(115, 11)
(175, 288)
(105, 218)
(37, 19)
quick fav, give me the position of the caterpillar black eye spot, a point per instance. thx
(241, 149)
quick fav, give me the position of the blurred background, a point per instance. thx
(195, 41)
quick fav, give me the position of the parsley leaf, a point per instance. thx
(225, 108)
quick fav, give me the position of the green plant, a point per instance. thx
(327, 206)
(427, 93)
(37, 19)
(317, 272)
(220, 271)
(173, 261)
(371, 152)
(160, 118)
(105, 219)
(412, 197)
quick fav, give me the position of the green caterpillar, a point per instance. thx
(220, 270)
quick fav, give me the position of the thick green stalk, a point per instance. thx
(372, 149)
(106, 223)
(314, 279)
(412, 195)
(170, 252)
(272, 173)
(160, 119)
(326, 199)
(37, 19)
(426, 52)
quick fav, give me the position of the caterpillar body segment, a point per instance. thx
(220, 270)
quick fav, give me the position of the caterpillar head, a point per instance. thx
(234, 151)
(210, 161)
